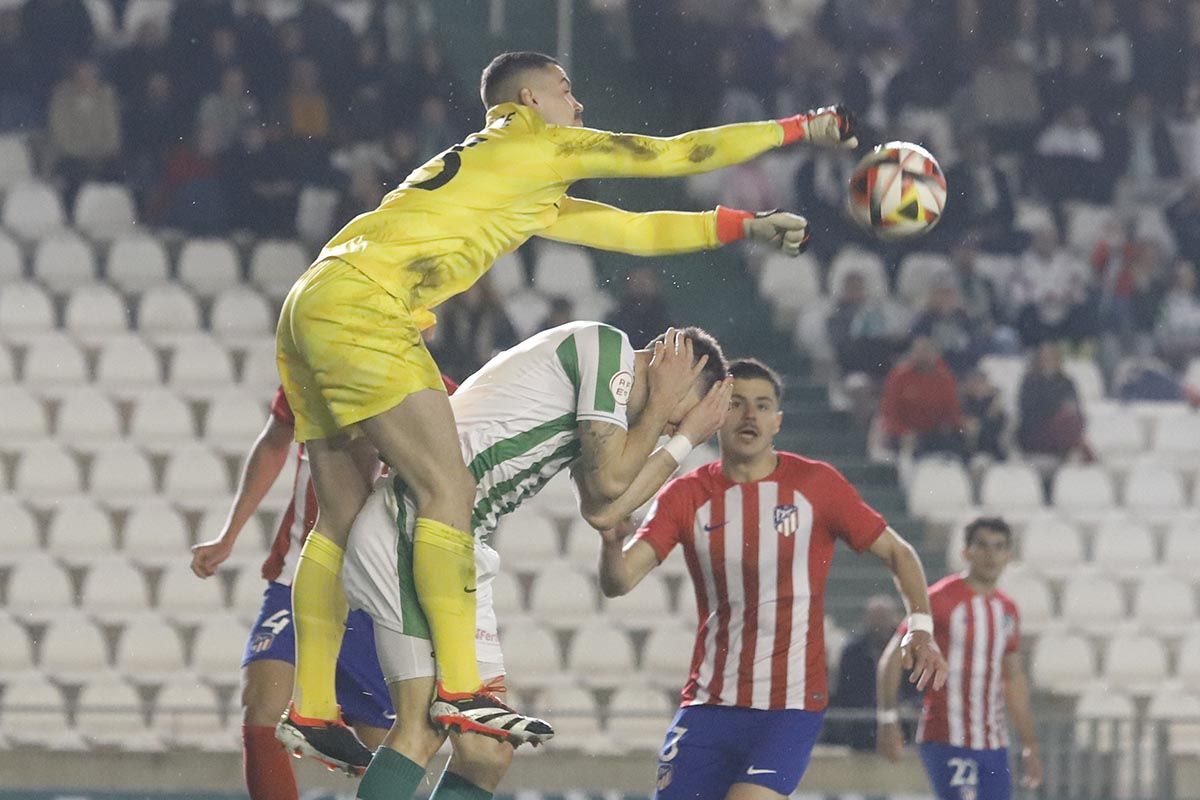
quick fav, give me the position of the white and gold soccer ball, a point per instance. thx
(897, 191)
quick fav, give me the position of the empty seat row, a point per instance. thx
(1066, 663)
(32, 209)
(1097, 604)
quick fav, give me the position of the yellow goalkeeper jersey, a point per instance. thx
(438, 231)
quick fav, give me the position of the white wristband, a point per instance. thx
(680, 447)
(920, 623)
(889, 716)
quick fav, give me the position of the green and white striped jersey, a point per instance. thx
(517, 416)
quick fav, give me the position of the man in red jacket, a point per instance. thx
(921, 413)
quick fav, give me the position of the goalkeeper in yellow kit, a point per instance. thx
(364, 387)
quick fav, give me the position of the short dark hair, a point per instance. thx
(753, 369)
(493, 83)
(703, 344)
(988, 523)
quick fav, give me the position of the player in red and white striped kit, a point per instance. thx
(964, 731)
(757, 530)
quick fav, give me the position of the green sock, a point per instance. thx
(456, 787)
(390, 776)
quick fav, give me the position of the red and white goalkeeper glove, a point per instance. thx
(782, 230)
(830, 126)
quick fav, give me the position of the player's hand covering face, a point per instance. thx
(920, 654)
(782, 230)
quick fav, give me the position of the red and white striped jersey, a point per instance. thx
(301, 512)
(758, 554)
(974, 632)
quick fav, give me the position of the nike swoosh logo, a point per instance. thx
(389, 716)
(753, 771)
(711, 528)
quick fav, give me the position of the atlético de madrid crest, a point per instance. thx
(787, 520)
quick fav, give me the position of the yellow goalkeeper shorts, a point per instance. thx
(347, 350)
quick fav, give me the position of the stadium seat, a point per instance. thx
(576, 718)
(1166, 606)
(219, 645)
(104, 211)
(8, 369)
(12, 263)
(53, 365)
(869, 265)
(208, 266)
(939, 488)
(1176, 709)
(1032, 596)
(1093, 603)
(506, 596)
(16, 657)
(526, 309)
(260, 373)
(199, 368)
(38, 589)
(1052, 547)
(526, 540)
(275, 265)
(64, 261)
(562, 596)
(531, 655)
(46, 473)
(1089, 382)
(184, 598)
(233, 421)
(187, 714)
(1123, 549)
(95, 313)
(239, 313)
(1083, 490)
(811, 334)
(149, 651)
(136, 263)
(638, 718)
(789, 284)
(1006, 372)
(73, 649)
(648, 604)
(26, 312)
(1153, 492)
(1177, 439)
(155, 534)
(1086, 225)
(1014, 487)
(121, 477)
(104, 22)
(161, 422)
(252, 543)
(563, 270)
(109, 714)
(20, 533)
(667, 655)
(1104, 720)
(195, 477)
(1116, 437)
(601, 655)
(22, 418)
(1187, 664)
(115, 591)
(507, 274)
(1135, 663)
(32, 210)
(918, 273)
(141, 12)
(34, 714)
(88, 420)
(1063, 664)
(16, 163)
(127, 366)
(167, 314)
(80, 532)
(1181, 548)
(595, 304)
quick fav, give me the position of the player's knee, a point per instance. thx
(452, 487)
(481, 759)
(262, 704)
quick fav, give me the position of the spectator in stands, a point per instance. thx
(642, 311)
(263, 180)
(1141, 154)
(947, 322)
(866, 332)
(980, 200)
(1070, 158)
(430, 76)
(18, 64)
(154, 125)
(231, 109)
(190, 45)
(920, 411)
(59, 33)
(472, 328)
(1184, 218)
(190, 194)
(1050, 293)
(1051, 420)
(562, 311)
(1001, 98)
(980, 298)
(1081, 79)
(1131, 291)
(333, 43)
(820, 190)
(1112, 44)
(85, 128)
(984, 418)
(1178, 328)
(307, 106)
(130, 65)
(855, 674)
(876, 88)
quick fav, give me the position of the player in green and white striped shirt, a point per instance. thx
(576, 396)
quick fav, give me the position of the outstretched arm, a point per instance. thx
(918, 651)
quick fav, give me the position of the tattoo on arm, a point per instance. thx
(593, 439)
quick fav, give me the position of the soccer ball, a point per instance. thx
(897, 191)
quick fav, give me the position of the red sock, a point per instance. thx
(268, 767)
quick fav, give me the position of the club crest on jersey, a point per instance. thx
(787, 520)
(621, 385)
(262, 642)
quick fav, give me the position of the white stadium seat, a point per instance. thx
(12, 263)
(64, 261)
(20, 532)
(88, 420)
(16, 162)
(32, 210)
(649, 603)
(187, 714)
(1032, 596)
(790, 283)
(1089, 382)
(525, 309)
(73, 649)
(167, 313)
(16, 657)
(260, 372)
(46, 473)
(33, 713)
(26, 312)
(220, 642)
(53, 365)
(149, 651)
(1116, 436)
(1123, 549)
(1178, 439)
(939, 488)
(233, 421)
(506, 596)
(1135, 663)
(136, 263)
(667, 655)
(195, 477)
(110, 715)
(1083, 490)
(527, 540)
(80, 532)
(869, 265)
(104, 210)
(199, 368)
(638, 717)
(1153, 491)
(1052, 547)
(531, 655)
(184, 598)
(127, 366)
(8, 369)
(23, 419)
(1013, 487)
(95, 313)
(601, 655)
(562, 596)
(1181, 548)
(38, 588)
(1063, 664)
(208, 266)
(1177, 709)
(275, 265)
(238, 313)
(1093, 603)
(575, 716)
(1165, 606)
(1187, 665)
(115, 591)
(161, 422)
(155, 533)
(917, 275)
(563, 270)
(507, 274)
(121, 476)
(1104, 720)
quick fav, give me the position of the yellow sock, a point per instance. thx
(444, 574)
(319, 611)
